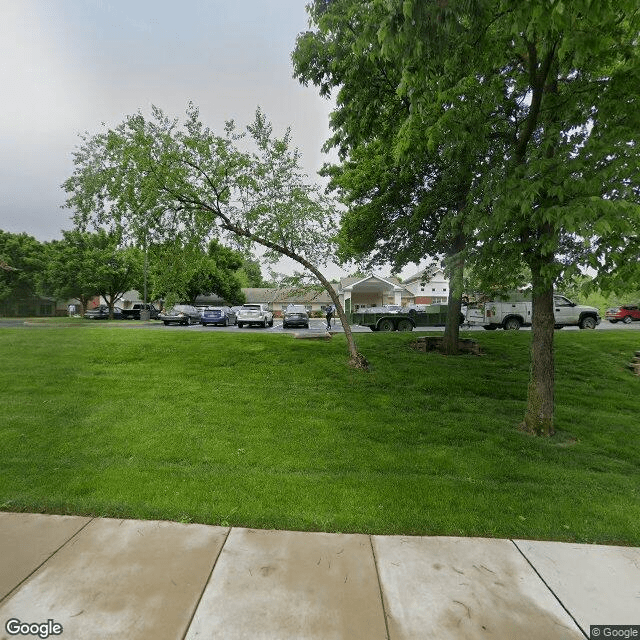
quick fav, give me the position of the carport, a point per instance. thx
(371, 291)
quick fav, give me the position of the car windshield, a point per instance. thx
(294, 309)
(251, 307)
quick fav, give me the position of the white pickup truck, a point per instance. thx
(513, 315)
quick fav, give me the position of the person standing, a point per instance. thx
(329, 311)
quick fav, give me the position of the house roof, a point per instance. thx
(428, 273)
(373, 281)
(291, 295)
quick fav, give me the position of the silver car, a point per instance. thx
(258, 314)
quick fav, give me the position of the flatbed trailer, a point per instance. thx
(434, 315)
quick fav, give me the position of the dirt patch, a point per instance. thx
(427, 344)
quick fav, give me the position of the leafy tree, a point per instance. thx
(250, 274)
(83, 265)
(406, 193)
(70, 268)
(202, 185)
(21, 258)
(548, 90)
(183, 272)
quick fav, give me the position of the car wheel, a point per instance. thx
(512, 324)
(306, 326)
(239, 325)
(627, 319)
(265, 323)
(271, 323)
(588, 323)
(166, 324)
(613, 321)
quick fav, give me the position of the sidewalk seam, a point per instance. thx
(206, 584)
(53, 553)
(384, 608)
(515, 544)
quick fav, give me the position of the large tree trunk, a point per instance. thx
(538, 418)
(450, 342)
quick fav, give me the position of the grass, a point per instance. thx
(261, 430)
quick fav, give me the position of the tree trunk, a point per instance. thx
(356, 359)
(450, 344)
(538, 418)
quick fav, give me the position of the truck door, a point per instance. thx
(564, 311)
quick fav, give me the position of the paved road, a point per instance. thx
(317, 325)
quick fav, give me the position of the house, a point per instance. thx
(372, 291)
(429, 286)
(278, 299)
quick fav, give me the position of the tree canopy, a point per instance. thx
(183, 180)
(533, 105)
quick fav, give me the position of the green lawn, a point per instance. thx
(262, 430)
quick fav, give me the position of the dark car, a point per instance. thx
(180, 314)
(137, 309)
(626, 313)
(219, 316)
(295, 316)
(101, 312)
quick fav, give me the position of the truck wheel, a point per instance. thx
(405, 325)
(588, 322)
(511, 324)
(627, 319)
(386, 324)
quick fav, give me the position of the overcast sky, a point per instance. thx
(68, 66)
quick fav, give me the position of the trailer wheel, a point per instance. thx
(386, 324)
(405, 325)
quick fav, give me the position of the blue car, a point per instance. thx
(218, 315)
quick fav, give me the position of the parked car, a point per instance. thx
(102, 313)
(255, 314)
(218, 315)
(626, 313)
(180, 314)
(134, 312)
(295, 315)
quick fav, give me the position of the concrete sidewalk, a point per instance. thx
(130, 579)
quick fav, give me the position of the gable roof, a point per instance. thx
(290, 295)
(426, 274)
